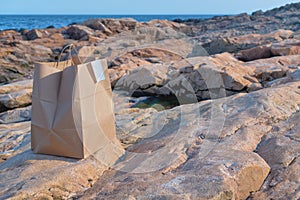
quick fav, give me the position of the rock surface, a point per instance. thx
(280, 148)
(209, 160)
(16, 115)
(214, 141)
(207, 77)
(62, 178)
(15, 95)
(288, 47)
(78, 32)
(33, 34)
(235, 44)
(258, 22)
(115, 25)
(241, 141)
(255, 53)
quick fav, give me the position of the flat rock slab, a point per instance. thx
(198, 151)
(27, 175)
(202, 151)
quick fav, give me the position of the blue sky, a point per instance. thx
(136, 6)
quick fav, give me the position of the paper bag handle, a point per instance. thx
(71, 47)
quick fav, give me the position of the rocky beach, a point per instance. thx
(205, 109)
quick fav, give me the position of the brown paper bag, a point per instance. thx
(72, 111)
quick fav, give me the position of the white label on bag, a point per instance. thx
(98, 70)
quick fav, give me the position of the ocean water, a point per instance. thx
(42, 21)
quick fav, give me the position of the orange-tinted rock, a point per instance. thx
(285, 48)
(255, 53)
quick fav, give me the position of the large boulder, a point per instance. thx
(202, 77)
(142, 78)
(148, 56)
(34, 34)
(78, 32)
(195, 77)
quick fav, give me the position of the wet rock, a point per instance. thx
(51, 26)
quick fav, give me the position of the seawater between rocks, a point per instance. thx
(158, 103)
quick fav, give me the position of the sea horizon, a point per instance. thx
(40, 21)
